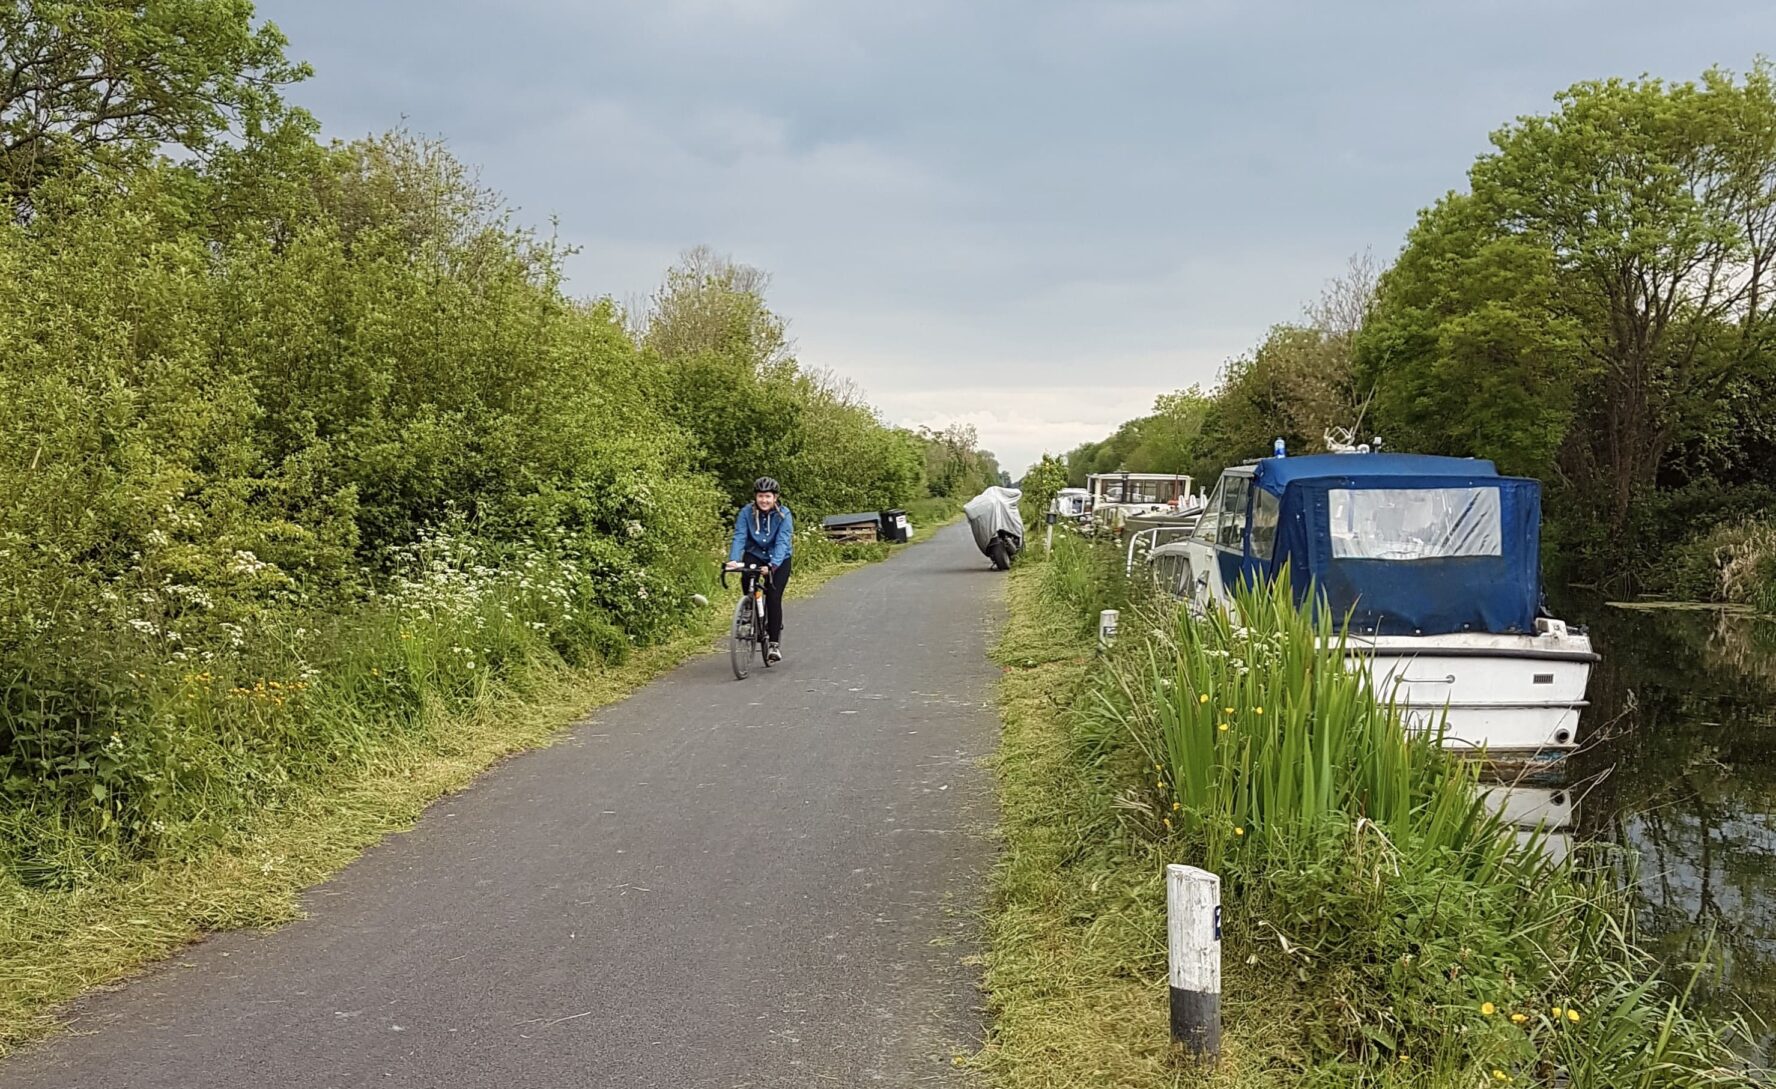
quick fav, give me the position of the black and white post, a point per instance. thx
(1108, 620)
(1193, 930)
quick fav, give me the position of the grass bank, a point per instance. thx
(1381, 929)
(61, 939)
(934, 511)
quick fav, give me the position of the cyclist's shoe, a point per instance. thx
(774, 653)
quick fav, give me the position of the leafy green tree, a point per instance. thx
(1296, 385)
(1168, 439)
(732, 381)
(1040, 486)
(850, 460)
(1469, 350)
(1618, 255)
(87, 82)
(955, 465)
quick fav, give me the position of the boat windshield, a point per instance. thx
(1414, 523)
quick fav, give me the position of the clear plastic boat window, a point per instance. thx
(1415, 523)
(1233, 512)
(1265, 509)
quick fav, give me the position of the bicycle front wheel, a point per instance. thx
(742, 641)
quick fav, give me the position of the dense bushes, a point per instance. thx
(219, 449)
(307, 439)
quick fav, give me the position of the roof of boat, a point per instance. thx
(1275, 474)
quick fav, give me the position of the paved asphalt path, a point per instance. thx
(712, 884)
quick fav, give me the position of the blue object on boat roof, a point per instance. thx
(1402, 544)
(1275, 474)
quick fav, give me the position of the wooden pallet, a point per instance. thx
(862, 531)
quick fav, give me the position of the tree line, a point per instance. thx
(1594, 310)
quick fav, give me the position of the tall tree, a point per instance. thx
(82, 81)
(1622, 246)
(734, 381)
(1468, 350)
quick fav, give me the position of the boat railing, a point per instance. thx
(1152, 535)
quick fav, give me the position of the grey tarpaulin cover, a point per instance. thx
(994, 510)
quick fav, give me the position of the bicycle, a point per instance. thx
(748, 639)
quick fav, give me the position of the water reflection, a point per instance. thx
(1542, 815)
(1683, 774)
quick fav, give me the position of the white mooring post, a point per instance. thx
(1193, 931)
(1107, 621)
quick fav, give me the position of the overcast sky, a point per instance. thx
(1031, 216)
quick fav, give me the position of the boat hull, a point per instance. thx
(1509, 695)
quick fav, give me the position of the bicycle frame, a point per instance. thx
(758, 638)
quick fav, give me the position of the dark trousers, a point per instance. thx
(773, 597)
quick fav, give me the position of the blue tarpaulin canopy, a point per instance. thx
(1405, 544)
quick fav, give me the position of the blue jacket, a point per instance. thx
(771, 536)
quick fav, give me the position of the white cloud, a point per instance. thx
(1021, 424)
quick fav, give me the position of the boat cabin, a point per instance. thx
(1139, 491)
(1404, 544)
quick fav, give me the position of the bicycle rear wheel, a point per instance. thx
(742, 641)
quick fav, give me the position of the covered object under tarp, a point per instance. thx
(993, 512)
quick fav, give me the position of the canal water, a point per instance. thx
(1680, 770)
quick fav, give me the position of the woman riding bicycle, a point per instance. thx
(764, 534)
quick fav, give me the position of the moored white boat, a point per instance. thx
(1072, 503)
(1138, 495)
(1434, 561)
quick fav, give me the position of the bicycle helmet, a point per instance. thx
(765, 484)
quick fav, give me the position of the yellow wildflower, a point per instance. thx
(1519, 1018)
(1227, 710)
(1500, 1075)
(1257, 710)
(1488, 1008)
(1176, 806)
(1557, 1012)
(1222, 727)
(1239, 831)
(1573, 1016)
(1204, 698)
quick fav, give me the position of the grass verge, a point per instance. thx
(1380, 929)
(56, 944)
(1077, 992)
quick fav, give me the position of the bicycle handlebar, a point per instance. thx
(743, 569)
